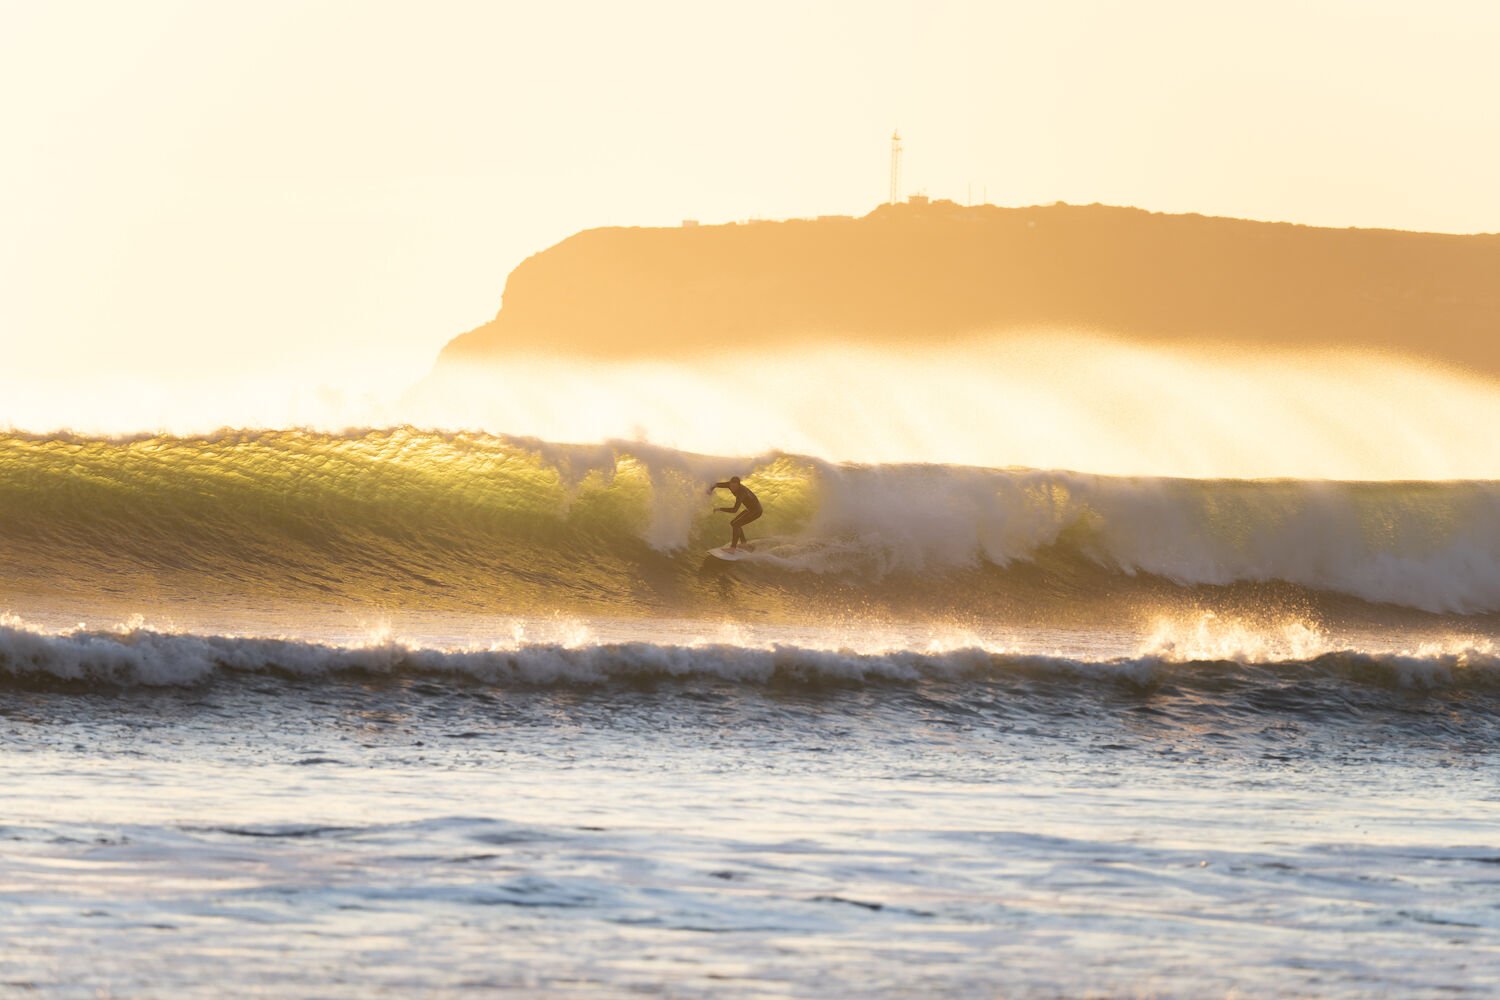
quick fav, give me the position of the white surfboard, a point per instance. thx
(730, 555)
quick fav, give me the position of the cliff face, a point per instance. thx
(912, 274)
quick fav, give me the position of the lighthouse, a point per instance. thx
(895, 167)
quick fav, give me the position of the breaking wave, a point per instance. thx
(501, 524)
(133, 656)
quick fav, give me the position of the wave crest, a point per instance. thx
(135, 656)
(478, 521)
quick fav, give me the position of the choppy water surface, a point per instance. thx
(953, 822)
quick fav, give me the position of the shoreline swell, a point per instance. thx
(132, 656)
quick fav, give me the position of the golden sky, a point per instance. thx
(192, 187)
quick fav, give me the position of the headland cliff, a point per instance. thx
(919, 273)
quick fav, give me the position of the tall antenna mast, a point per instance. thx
(895, 167)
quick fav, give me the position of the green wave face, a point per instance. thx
(476, 523)
(443, 520)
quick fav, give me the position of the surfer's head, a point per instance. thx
(735, 480)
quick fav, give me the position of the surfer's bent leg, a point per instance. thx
(737, 537)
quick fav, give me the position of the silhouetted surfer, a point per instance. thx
(742, 498)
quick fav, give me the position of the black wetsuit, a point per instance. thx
(743, 497)
(751, 502)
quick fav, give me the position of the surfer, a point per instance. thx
(743, 497)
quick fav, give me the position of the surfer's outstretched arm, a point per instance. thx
(727, 484)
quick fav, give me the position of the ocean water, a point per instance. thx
(404, 713)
